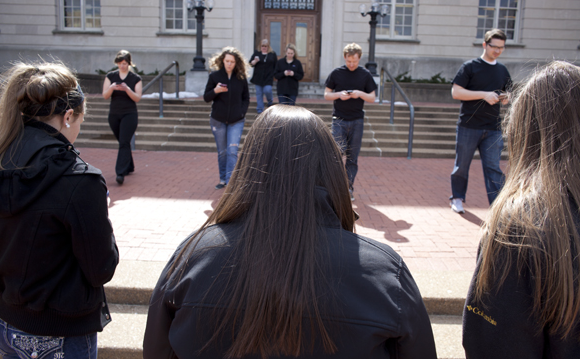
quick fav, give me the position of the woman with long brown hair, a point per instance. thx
(227, 89)
(276, 270)
(57, 248)
(524, 301)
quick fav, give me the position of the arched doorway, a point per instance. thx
(292, 21)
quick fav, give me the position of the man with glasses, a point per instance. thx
(480, 84)
(264, 63)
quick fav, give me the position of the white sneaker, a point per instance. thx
(351, 195)
(457, 205)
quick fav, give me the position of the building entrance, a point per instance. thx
(292, 21)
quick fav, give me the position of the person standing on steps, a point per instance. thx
(264, 63)
(288, 72)
(124, 88)
(227, 87)
(480, 84)
(350, 86)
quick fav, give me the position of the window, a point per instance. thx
(399, 22)
(80, 15)
(289, 4)
(500, 14)
(177, 18)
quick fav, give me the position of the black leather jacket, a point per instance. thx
(377, 309)
(57, 247)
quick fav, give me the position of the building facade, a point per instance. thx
(419, 37)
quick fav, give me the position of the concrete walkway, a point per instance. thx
(401, 202)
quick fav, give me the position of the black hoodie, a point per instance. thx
(57, 247)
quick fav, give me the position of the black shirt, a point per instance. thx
(288, 85)
(264, 69)
(121, 103)
(341, 79)
(478, 75)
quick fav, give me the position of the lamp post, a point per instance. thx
(199, 6)
(375, 11)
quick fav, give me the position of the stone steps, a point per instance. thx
(184, 127)
(129, 292)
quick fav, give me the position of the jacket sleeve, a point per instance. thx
(209, 94)
(299, 73)
(93, 241)
(156, 344)
(279, 71)
(502, 325)
(416, 335)
(245, 97)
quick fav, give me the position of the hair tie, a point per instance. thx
(72, 100)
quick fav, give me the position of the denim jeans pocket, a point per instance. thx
(36, 347)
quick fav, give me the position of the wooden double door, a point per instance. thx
(300, 29)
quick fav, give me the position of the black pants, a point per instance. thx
(124, 126)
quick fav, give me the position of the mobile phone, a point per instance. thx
(502, 96)
(223, 85)
(349, 91)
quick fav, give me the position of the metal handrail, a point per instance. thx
(160, 78)
(411, 107)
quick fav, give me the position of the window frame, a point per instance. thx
(392, 16)
(517, 25)
(185, 20)
(83, 29)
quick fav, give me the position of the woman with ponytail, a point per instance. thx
(276, 271)
(57, 248)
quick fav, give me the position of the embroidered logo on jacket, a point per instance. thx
(477, 311)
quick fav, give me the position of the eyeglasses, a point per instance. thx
(500, 48)
(264, 45)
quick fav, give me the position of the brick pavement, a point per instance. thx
(401, 202)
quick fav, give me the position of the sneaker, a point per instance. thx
(351, 195)
(457, 205)
(220, 185)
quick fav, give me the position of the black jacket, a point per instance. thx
(230, 106)
(288, 85)
(57, 247)
(263, 69)
(377, 310)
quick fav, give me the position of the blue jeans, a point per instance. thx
(348, 135)
(490, 144)
(227, 139)
(287, 100)
(16, 344)
(260, 92)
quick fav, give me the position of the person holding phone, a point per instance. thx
(349, 87)
(479, 84)
(264, 63)
(124, 88)
(288, 72)
(227, 88)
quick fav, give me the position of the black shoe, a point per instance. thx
(220, 185)
(120, 179)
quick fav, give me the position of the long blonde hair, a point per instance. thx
(34, 89)
(534, 217)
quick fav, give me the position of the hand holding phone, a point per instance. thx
(223, 85)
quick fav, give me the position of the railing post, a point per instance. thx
(161, 97)
(176, 79)
(393, 103)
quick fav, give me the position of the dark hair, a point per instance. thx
(35, 90)
(533, 218)
(494, 34)
(217, 62)
(280, 253)
(124, 55)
